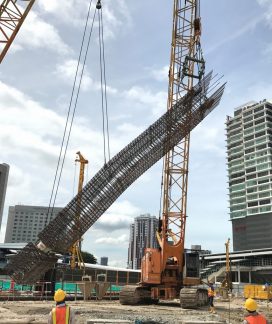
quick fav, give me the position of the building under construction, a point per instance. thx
(249, 149)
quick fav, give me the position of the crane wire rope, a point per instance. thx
(75, 105)
(103, 84)
(59, 173)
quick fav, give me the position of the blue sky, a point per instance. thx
(35, 87)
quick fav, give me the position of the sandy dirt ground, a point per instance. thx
(37, 312)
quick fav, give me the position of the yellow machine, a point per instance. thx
(258, 292)
(226, 285)
(76, 257)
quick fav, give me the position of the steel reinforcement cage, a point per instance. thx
(112, 180)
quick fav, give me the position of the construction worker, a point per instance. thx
(252, 316)
(211, 294)
(62, 313)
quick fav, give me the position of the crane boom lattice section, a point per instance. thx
(187, 68)
(12, 16)
(117, 175)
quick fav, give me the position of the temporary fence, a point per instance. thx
(9, 290)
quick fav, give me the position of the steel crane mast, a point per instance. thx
(76, 247)
(187, 68)
(12, 16)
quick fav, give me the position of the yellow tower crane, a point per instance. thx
(76, 257)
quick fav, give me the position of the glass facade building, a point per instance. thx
(142, 235)
(249, 154)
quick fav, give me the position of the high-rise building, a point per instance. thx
(249, 149)
(4, 171)
(142, 235)
(104, 261)
(26, 222)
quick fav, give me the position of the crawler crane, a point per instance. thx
(168, 272)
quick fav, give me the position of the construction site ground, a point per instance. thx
(112, 312)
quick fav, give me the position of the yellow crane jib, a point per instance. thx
(76, 247)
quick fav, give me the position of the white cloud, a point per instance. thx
(36, 33)
(119, 216)
(119, 240)
(160, 74)
(70, 12)
(66, 72)
(30, 136)
(157, 101)
(115, 13)
(208, 138)
(267, 5)
(246, 27)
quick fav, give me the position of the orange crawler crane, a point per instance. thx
(169, 272)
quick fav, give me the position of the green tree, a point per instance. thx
(88, 257)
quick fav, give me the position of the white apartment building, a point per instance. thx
(26, 222)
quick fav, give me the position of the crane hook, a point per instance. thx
(98, 5)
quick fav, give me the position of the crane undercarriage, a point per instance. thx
(189, 297)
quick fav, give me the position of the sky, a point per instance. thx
(36, 80)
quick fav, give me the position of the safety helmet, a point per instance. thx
(251, 305)
(59, 295)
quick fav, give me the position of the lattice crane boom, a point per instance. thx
(12, 15)
(187, 68)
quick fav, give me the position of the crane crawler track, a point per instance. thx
(134, 295)
(193, 298)
(118, 174)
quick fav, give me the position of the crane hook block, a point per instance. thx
(98, 5)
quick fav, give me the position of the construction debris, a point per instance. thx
(105, 311)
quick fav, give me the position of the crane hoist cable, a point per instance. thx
(63, 152)
(103, 83)
(65, 138)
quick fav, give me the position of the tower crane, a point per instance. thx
(12, 16)
(165, 272)
(76, 247)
